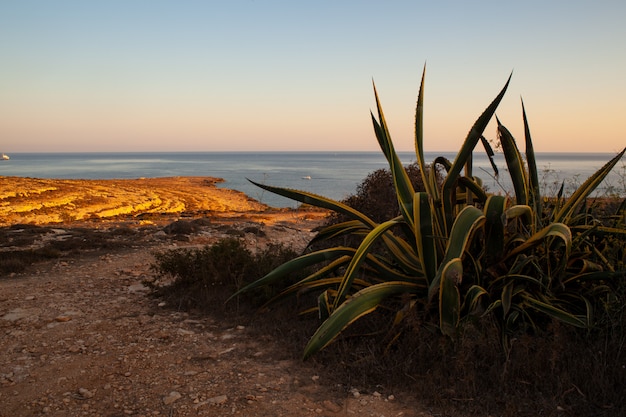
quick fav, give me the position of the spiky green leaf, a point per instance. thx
(360, 304)
(449, 297)
(564, 214)
(464, 226)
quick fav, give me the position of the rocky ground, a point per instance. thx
(81, 335)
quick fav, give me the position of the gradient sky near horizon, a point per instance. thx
(255, 75)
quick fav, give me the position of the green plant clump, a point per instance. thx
(456, 254)
(201, 275)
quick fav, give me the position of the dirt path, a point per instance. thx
(81, 336)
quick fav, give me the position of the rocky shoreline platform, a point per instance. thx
(45, 201)
(80, 334)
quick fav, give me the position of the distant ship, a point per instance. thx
(5, 157)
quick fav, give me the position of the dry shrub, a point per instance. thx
(376, 195)
(204, 278)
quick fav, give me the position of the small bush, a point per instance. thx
(376, 195)
(17, 261)
(204, 277)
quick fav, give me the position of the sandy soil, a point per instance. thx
(80, 335)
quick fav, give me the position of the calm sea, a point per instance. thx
(331, 174)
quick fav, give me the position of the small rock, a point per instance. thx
(62, 318)
(220, 399)
(138, 288)
(171, 397)
(332, 406)
(85, 393)
(16, 314)
(225, 351)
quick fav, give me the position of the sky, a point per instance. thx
(255, 75)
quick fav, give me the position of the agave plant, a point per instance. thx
(462, 252)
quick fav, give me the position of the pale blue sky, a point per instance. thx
(293, 75)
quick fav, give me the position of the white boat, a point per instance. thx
(308, 177)
(5, 157)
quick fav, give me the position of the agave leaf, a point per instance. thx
(474, 185)
(471, 304)
(361, 303)
(582, 265)
(403, 312)
(586, 189)
(533, 173)
(318, 201)
(597, 230)
(490, 154)
(402, 183)
(515, 164)
(508, 329)
(559, 230)
(466, 150)
(449, 297)
(324, 305)
(419, 135)
(329, 282)
(507, 297)
(519, 279)
(518, 210)
(314, 280)
(466, 222)
(297, 264)
(599, 276)
(340, 229)
(494, 227)
(402, 252)
(555, 312)
(358, 258)
(424, 235)
(389, 271)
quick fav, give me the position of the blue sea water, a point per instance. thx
(331, 174)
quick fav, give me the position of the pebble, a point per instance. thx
(171, 397)
(16, 314)
(138, 288)
(85, 393)
(220, 399)
(332, 406)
